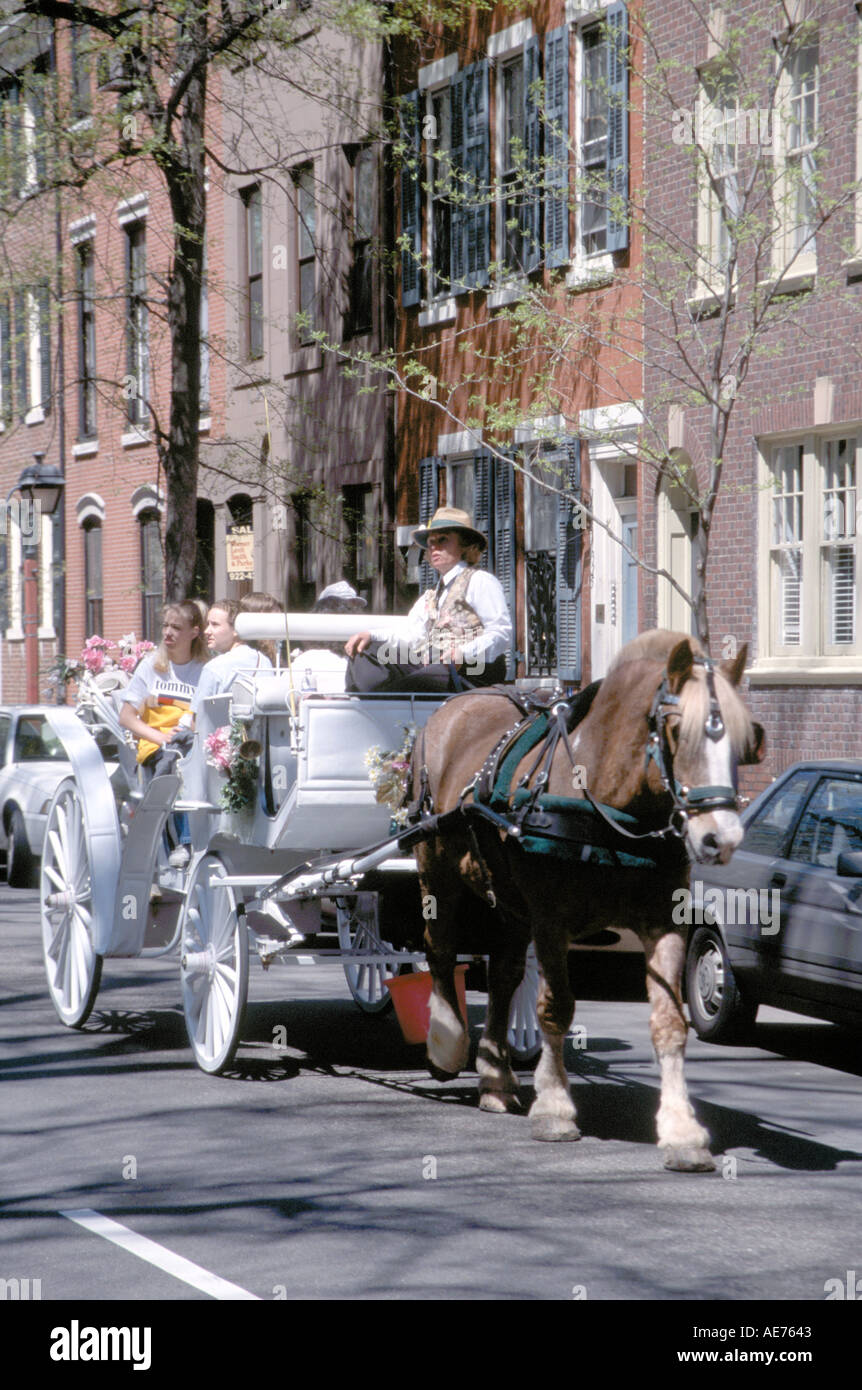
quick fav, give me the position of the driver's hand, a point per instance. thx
(357, 643)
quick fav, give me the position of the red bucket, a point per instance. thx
(411, 995)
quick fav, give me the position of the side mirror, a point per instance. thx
(756, 750)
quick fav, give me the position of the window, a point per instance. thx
(80, 60)
(306, 255)
(93, 617)
(30, 333)
(254, 271)
(6, 356)
(361, 527)
(812, 589)
(604, 135)
(801, 145)
(718, 176)
(360, 307)
(137, 344)
(152, 575)
(796, 149)
(85, 288)
(24, 130)
(831, 823)
(445, 135)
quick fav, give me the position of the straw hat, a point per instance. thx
(450, 519)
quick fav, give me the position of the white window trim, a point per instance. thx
(853, 265)
(584, 271)
(436, 77)
(803, 665)
(791, 270)
(147, 498)
(46, 576)
(134, 209)
(711, 282)
(90, 507)
(84, 229)
(464, 442)
(85, 448)
(15, 631)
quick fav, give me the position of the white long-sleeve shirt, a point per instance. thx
(485, 596)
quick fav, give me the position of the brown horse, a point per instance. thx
(661, 741)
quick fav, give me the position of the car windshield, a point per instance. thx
(36, 742)
(766, 833)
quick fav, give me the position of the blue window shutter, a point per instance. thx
(483, 502)
(458, 213)
(471, 245)
(569, 569)
(429, 477)
(618, 127)
(557, 147)
(411, 199)
(531, 205)
(504, 545)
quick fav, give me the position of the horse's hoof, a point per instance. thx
(500, 1103)
(439, 1074)
(689, 1160)
(554, 1129)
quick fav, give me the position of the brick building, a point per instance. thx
(294, 450)
(520, 299)
(783, 570)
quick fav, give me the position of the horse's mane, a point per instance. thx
(657, 645)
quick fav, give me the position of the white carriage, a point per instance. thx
(264, 880)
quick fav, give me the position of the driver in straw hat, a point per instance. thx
(458, 633)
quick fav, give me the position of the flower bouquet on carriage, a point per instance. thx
(102, 668)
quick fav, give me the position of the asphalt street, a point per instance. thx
(335, 1168)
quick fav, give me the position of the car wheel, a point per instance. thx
(20, 865)
(719, 1011)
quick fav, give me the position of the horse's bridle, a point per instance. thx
(687, 801)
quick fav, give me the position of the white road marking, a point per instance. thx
(157, 1255)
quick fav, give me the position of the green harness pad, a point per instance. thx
(568, 827)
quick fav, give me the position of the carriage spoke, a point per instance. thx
(214, 968)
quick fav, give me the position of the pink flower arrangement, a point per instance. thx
(96, 657)
(220, 749)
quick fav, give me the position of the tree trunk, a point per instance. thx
(185, 180)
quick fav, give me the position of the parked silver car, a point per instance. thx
(32, 765)
(781, 924)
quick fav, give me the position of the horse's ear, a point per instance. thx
(680, 664)
(756, 750)
(733, 670)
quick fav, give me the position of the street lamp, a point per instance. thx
(41, 485)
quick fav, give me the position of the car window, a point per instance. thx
(831, 823)
(767, 832)
(5, 721)
(35, 741)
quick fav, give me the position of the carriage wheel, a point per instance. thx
(525, 1036)
(358, 930)
(213, 966)
(73, 968)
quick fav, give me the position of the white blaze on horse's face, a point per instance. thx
(714, 835)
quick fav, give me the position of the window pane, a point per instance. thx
(307, 214)
(831, 825)
(767, 833)
(254, 233)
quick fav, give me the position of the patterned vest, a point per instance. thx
(451, 622)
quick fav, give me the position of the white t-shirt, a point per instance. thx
(177, 685)
(220, 673)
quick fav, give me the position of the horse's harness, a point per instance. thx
(579, 827)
